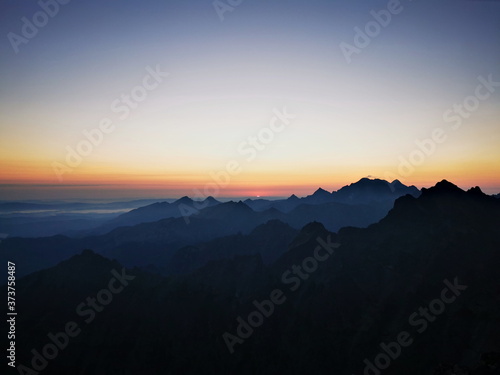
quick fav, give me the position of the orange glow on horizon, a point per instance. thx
(31, 180)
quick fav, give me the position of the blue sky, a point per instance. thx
(226, 78)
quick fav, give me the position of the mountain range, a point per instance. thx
(427, 270)
(149, 236)
(374, 193)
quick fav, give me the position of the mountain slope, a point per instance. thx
(360, 297)
(366, 191)
(155, 212)
(362, 192)
(270, 240)
(153, 243)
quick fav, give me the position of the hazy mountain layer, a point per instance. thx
(424, 277)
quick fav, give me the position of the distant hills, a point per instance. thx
(34, 219)
(269, 241)
(365, 191)
(337, 320)
(155, 212)
(149, 236)
(379, 195)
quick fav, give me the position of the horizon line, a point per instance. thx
(86, 194)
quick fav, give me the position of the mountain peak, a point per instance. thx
(321, 191)
(185, 200)
(309, 234)
(87, 258)
(319, 196)
(232, 204)
(210, 199)
(397, 183)
(475, 191)
(367, 183)
(367, 180)
(443, 187)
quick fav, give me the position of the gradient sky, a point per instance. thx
(225, 80)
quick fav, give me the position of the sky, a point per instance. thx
(107, 99)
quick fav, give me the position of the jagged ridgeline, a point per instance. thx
(416, 292)
(161, 234)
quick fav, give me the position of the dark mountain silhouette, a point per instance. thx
(365, 191)
(359, 298)
(270, 240)
(155, 212)
(154, 243)
(376, 190)
(259, 204)
(336, 215)
(318, 197)
(138, 245)
(378, 193)
(283, 205)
